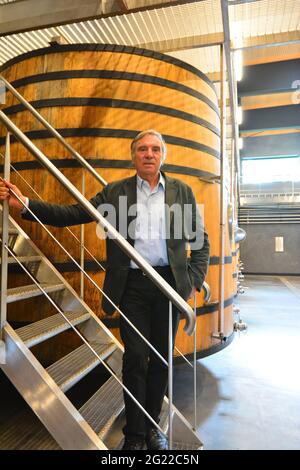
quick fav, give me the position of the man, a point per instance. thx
(161, 238)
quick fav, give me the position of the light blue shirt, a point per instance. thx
(150, 232)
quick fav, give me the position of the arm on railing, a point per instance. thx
(168, 291)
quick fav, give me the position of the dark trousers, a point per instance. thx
(144, 374)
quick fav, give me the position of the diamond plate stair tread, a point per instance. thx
(25, 292)
(70, 369)
(104, 407)
(164, 424)
(25, 432)
(43, 329)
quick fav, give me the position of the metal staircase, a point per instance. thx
(97, 424)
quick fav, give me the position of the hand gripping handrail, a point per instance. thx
(53, 131)
(164, 287)
(67, 228)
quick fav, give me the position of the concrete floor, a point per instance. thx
(249, 393)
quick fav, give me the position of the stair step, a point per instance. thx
(104, 407)
(23, 259)
(177, 445)
(32, 290)
(44, 329)
(21, 430)
(70, 369)
(11, 231)
(12, 237)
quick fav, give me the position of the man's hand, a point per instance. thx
(5, 194)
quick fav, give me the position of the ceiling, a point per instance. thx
(262, 31)
(264, 28)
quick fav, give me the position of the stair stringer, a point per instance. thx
(45, 398)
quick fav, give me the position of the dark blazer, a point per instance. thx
(187, 272)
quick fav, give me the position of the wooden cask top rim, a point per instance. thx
(111, 48)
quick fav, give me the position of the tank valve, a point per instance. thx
(236, 309)
(220, 336)
(240, 326)
(241, 289)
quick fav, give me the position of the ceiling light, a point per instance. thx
(238, 64)
(239, 115)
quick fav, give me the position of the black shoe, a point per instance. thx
(155, 440)
(133, 444)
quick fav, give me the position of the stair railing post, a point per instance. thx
(170, 376)
(195, 365)
(4, 254)
(82, 242)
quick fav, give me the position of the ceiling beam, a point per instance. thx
(33, 14)
(141, 5)
(30, 15)
(270, 100)
(189, 42)
(269, 54)
(270, 40)
(239, 2)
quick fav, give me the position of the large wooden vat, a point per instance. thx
(99, 97)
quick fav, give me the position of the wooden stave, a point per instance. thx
(215, 170)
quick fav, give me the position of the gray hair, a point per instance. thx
(149, 132)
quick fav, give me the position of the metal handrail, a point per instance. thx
(148, 270)
(205, 286)
(207, 291)
(207, 295)
(4, 269)
(67, 228)
(177, 300)
(125, 246)
(83, 338)
(169, 364)
(4, 260)
(88, 277)
(53, 131)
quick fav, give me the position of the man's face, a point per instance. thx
(148, 156)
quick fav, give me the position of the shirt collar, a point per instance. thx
(141, 182)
